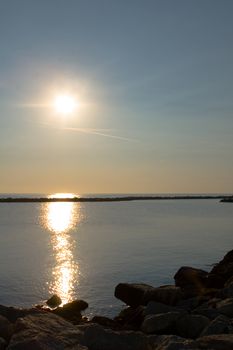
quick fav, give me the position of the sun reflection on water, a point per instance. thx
(60, 218)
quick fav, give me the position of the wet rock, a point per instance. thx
(6, 328)
(54, 301)
(45, 331)
(219, 325)
(132, 294)
(215, 342)
(191, 326)
(224, 268)
(170, 295)
(131, 317)
(97, 338)
(225, 307)
(160, 323)
(191, 280)
(72, 311)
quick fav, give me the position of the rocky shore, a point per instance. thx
(194, 313)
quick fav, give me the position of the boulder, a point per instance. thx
(160, 323)
(189, 276)
(12, 313)
(215, 342)
(224, 268)
(170, 295)
(54, 301)
(97, 338)
(227, 291)
(45, 331)
(225, 307)
(219, 325)
(131, 317)
(191, 326)
(72, 311)
(132, 294)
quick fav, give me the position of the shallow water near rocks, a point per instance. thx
(83, 250)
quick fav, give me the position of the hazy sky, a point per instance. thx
(154, 79)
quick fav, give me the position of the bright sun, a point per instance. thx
(65, 104)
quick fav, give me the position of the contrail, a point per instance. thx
(99, 132)
(96, 132)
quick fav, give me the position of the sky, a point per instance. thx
(153, 80)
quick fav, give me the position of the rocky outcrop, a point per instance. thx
(190, 315)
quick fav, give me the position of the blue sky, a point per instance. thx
(156, 75)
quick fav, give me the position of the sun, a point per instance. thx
(65, 104)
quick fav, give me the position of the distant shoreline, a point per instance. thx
(226, 198)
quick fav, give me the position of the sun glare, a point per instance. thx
(65, 104)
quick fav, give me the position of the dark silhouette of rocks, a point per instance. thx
(190, 315)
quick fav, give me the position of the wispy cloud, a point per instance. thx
(99, 132)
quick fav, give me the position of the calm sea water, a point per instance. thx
(83, 250)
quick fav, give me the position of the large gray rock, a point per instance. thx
(169, 295)
(54, 301)
(72, 311)
(187, 276)
(225, 307)
(12, 313)
(140, 294)
(45, 331)
(97, 338)
(160, 323)
(132, 294)
(191, 326)
(219, 325)
(215, 342)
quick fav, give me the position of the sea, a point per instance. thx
(83, 250)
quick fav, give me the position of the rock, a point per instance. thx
(72, 311)
(106, 322)
(131, 317)
(160, 323)
(54, 301)
(154, 308)
(12, 313)
(216, 342)
(224, 268)
(191, 280)
(214, 281)
(173, 342)
(132, 294)
(45, 331)
(2, 344)
(227, 291)
(6, 328)
(170, 295)
(189, 304)
(225, 307)
(191, 326)
(97, 338)
(140, 294)
(210, 313)
(219, 325)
